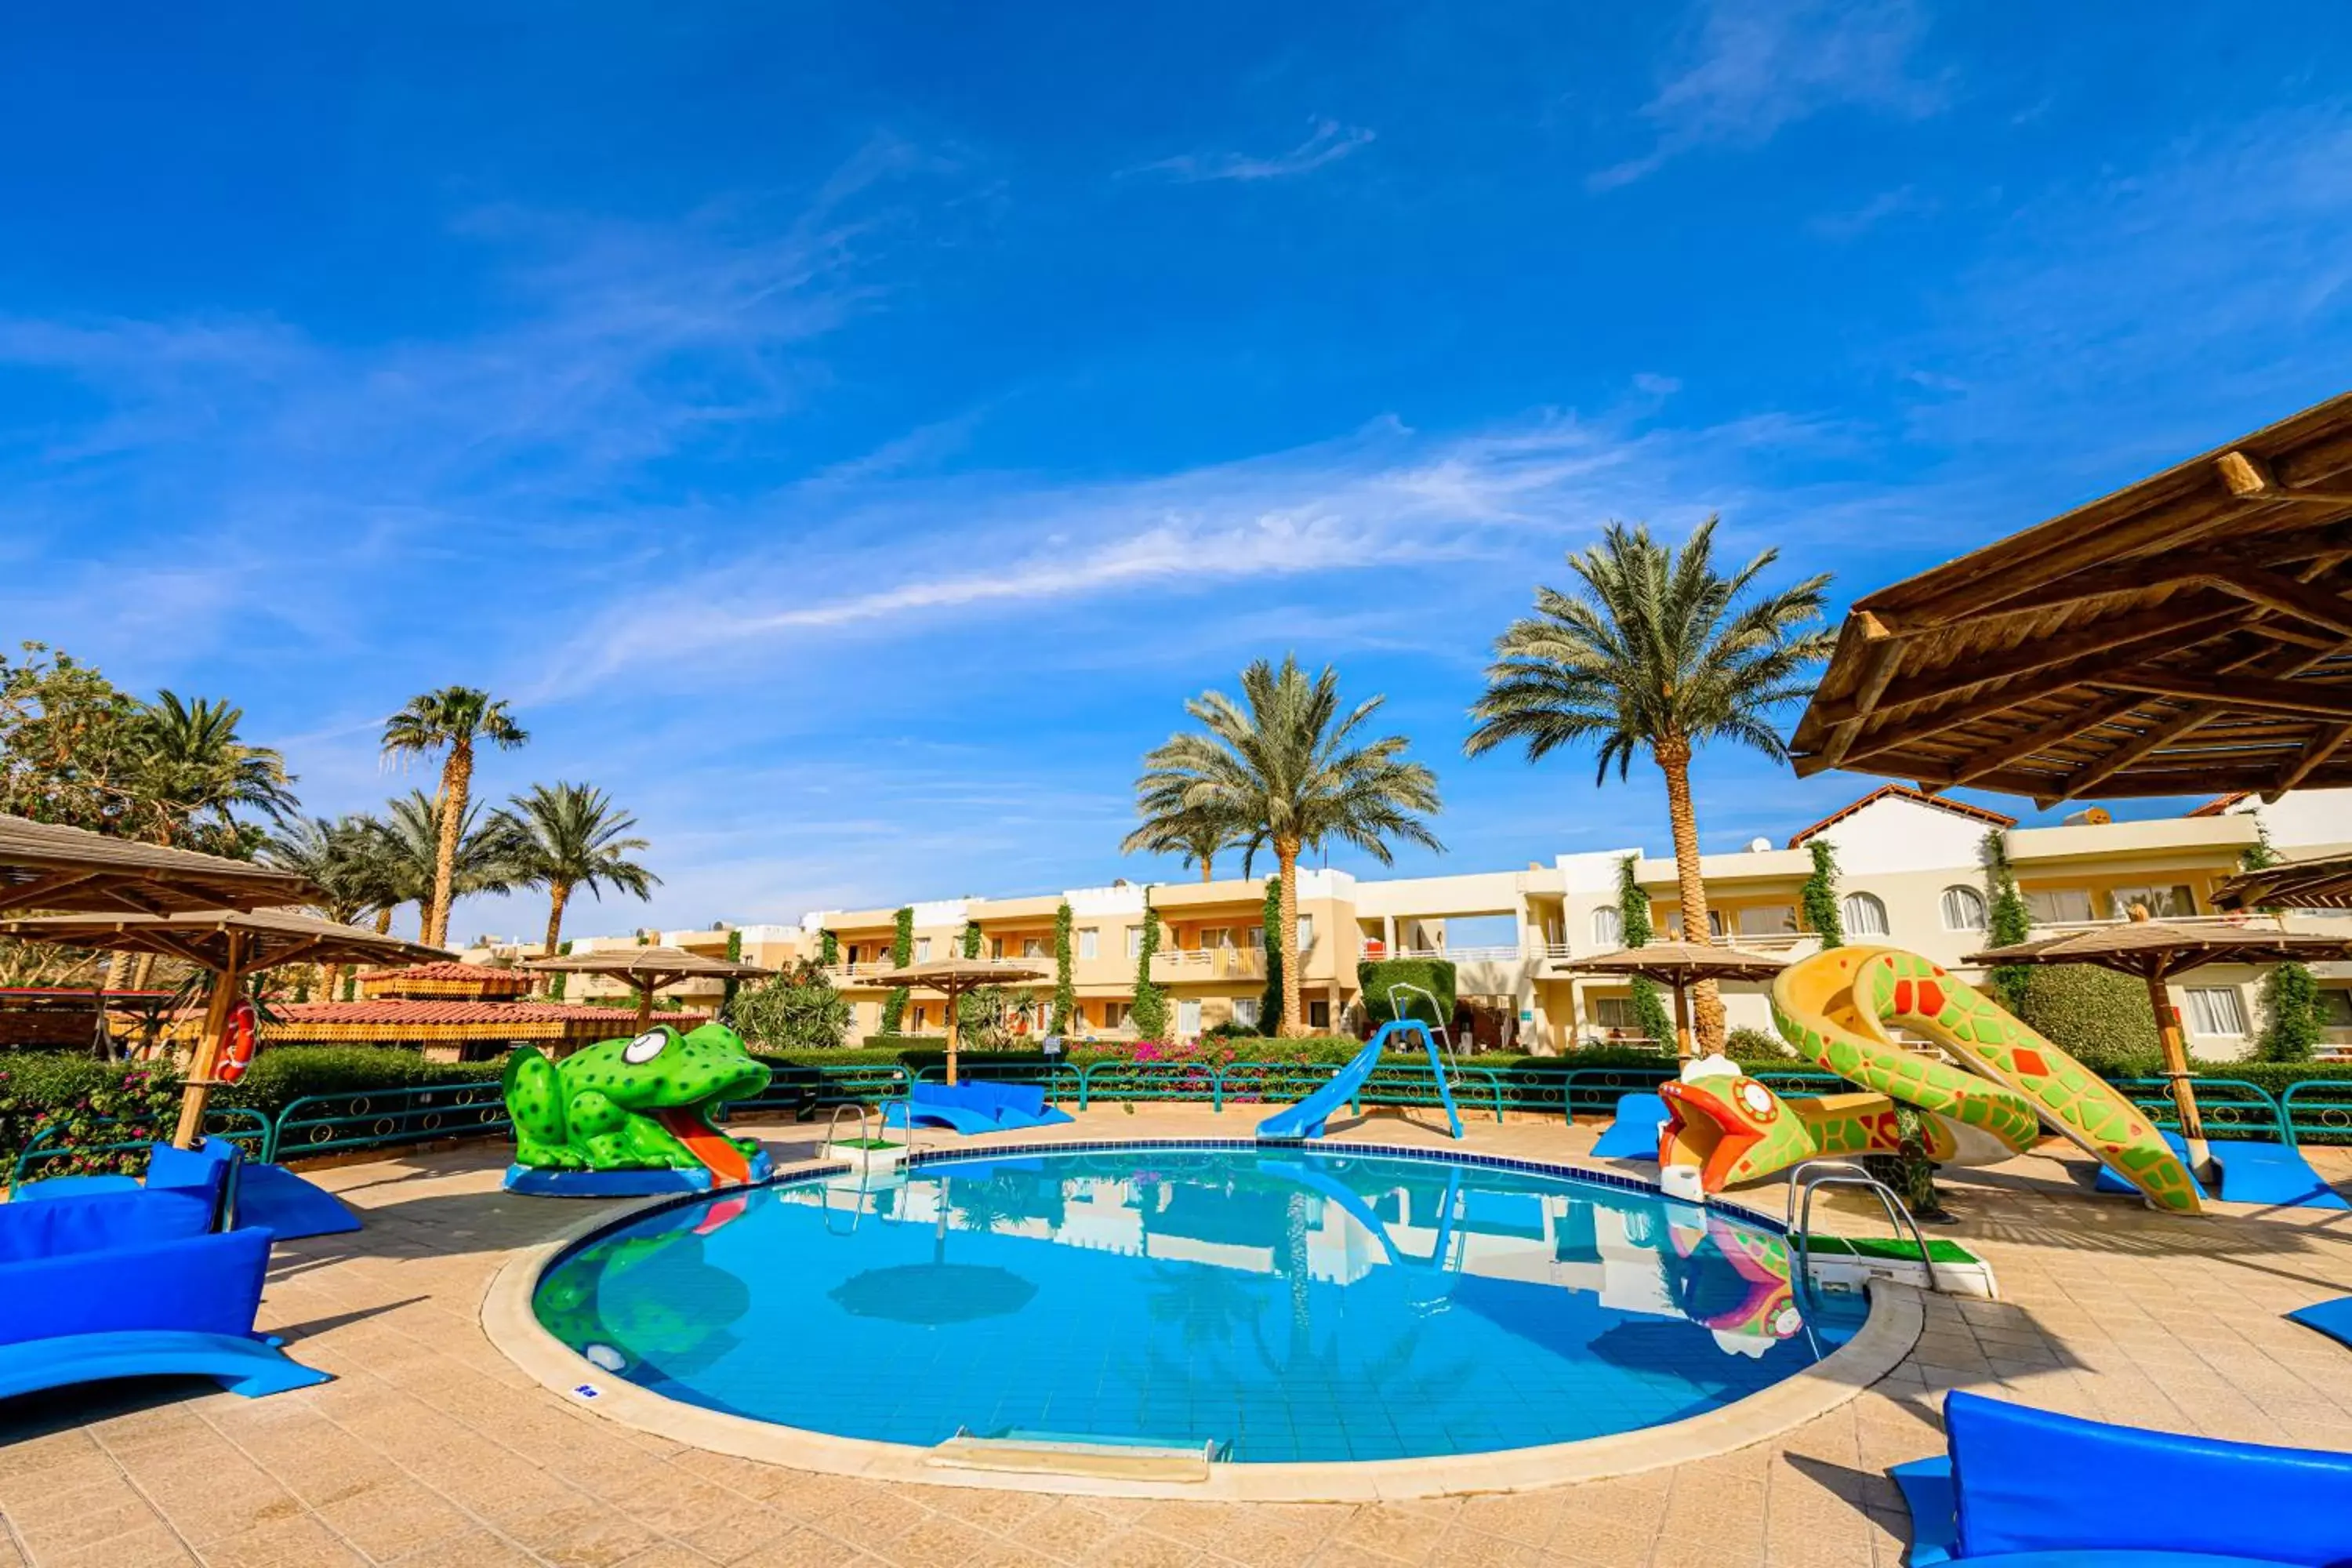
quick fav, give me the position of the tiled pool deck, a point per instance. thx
(431, 1449)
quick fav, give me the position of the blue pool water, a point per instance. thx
(1290, 1304)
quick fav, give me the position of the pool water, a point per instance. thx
(1285, 1304)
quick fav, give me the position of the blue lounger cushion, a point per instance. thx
(2333, 1319)
(2030, 1480)
(96, 1223)
(1633, 1135)
(970, 1108)
(932, 1113)
(208, 1172)
(289, 1206)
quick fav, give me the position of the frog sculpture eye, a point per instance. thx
(644, 1047)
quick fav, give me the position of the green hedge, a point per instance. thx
(1434, 975)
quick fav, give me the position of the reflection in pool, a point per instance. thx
(1285, 1304)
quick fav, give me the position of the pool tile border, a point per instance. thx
(1885, 1338)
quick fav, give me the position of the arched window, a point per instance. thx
(1608, 931)
(1964, 909)
(1864, 915)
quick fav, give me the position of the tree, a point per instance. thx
(1658, 651)
(1819, 897)
(902, 951)
(1293, 769)
(192, 762)
(70, 748)
(797, 1010)
(1066, 990)
(1270, 1004)
(337, 857)
(1633, 925)
(409, 838)
(449, 722)
(2008, 921)
(1150, 1013)
(1196, 836)
(566, 837)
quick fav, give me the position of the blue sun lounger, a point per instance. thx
(133, 1284)
(2021, 1487)
(1633, 1135)
(970, 1108)
(242, 1191)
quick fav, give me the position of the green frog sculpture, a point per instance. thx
(635, 1116)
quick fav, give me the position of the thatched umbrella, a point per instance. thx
(2325, 883)
(952, 977)
(45, 866)
(228, 944)
(648, 969)
(2156, 950)
(1680, 965)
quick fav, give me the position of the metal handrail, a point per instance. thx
(1844, 1173)
(2154, 1096)
(42, 1146)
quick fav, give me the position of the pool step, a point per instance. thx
(1042, 1454)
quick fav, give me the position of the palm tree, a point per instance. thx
(1197, 837)
(1655, 650)
(408, 842)
(1289, 768)
(191, 758)
(340, 860)
(449, 721)
(567, 836)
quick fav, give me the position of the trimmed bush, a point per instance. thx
(1757, 1045)
(1435, 975)
(2096, 1015)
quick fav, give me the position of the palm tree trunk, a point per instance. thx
(383, 920)
(456, 780)
(118, 968)
(558, 893)
(1674, 756)
(1208, 867)
(1285, 860)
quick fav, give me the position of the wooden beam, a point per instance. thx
(2303, 699)
(2119, 639)
(2249, 478)
(2290, 595)
(34, 894)
(1896, 735)
(2105, 712)
(2323, 744)
(1882, 655)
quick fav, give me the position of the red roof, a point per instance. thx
(390, 1017)
(466, 974)
(1904, 791)
(2220, 804)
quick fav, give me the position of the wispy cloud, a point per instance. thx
(1327, 143)
(1904, 201)
(1758, 67)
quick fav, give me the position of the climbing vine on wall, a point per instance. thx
(1150, 1012)
(1633, 920)
(902, 949)
(1820, 897)
(1066, 990)
(1269, 1006)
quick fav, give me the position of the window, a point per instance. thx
(996, 947)
(1964, 909)
(1115, 1015)
(922, 1016)
(1714, 924)
(1253, 938)
(1214, 938)
(1306, 940)
(1135, 941)
(1614, 1013)
(1608, 931)
(1318, 1015)
(1188, 1019)
(922, 950)
(1769, 919)
(2216, 1010)
(1089, 940)
(1864, 915)
(1245, 1011)
(2163, 903)
(2058, 906)
(2335, 1009)
(1032, 947)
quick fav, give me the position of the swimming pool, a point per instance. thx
(1285, 1304)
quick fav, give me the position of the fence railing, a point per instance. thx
(388, 1118)
(249, 1130)
(2228, 1107)
(2319, 1110)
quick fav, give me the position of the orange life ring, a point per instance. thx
(238, 1043)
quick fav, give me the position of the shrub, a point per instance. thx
(800, 1011)
(1747, 1044)
(2291, 1016)
(1434, 975)
(2098, 1017)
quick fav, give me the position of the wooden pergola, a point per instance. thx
(647, 969)
(2189, 634)
(951, 978)
(1679, 965)
(2321, 883)
(45, 866)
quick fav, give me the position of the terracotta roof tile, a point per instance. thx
(1904, 791)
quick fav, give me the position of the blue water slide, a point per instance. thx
(1307, 1118)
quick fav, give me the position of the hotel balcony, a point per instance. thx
(1176, 965)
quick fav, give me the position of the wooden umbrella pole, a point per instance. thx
(1683, 1051)
(953, 1035)
(218, 1006)
(645, 1005)
(2175, 1068)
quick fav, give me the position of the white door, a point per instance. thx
(1188, 1020)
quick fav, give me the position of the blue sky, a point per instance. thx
(848, 432)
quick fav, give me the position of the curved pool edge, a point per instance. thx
(1887, 1335)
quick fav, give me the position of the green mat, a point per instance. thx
(1888, 1247)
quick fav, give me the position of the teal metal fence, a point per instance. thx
(2318, 1111)
(249, 1130)
(1060, 1080)
(388, 1118)
(803, 1090)
(2229, 1106)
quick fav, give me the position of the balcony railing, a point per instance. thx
(1208, 964)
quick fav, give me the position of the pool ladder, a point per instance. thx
(865, 1167)
(1843, 1173)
